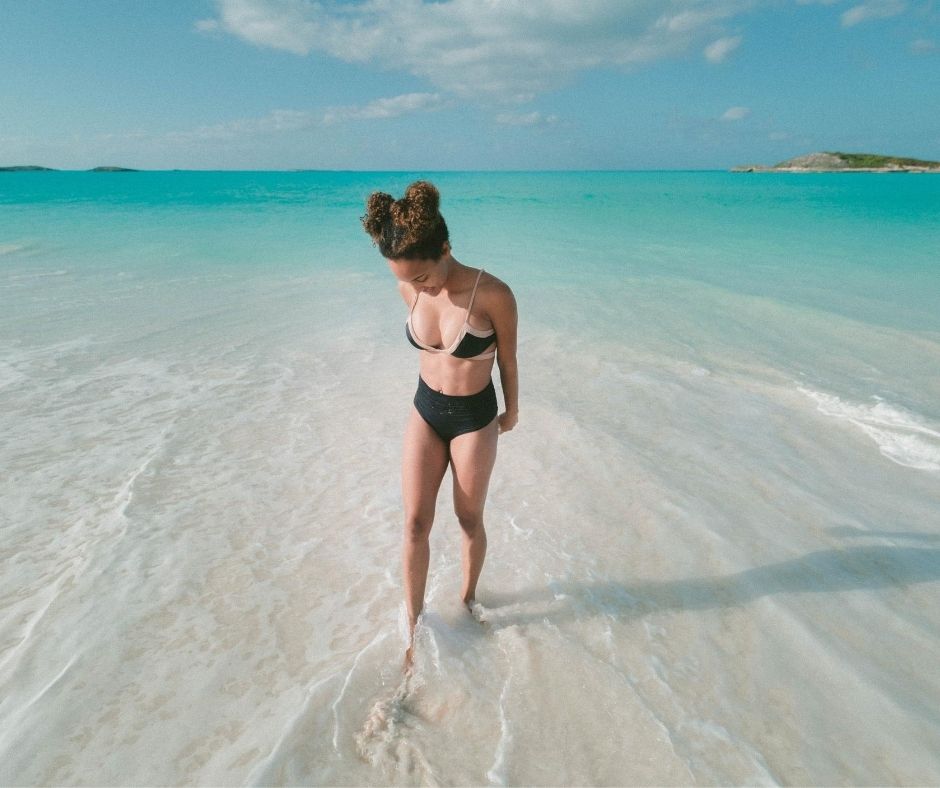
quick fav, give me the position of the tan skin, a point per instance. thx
(445, 286)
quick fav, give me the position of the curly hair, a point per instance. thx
(411, 228)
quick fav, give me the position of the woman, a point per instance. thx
(460, 319)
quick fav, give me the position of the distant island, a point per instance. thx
(834, 161)
(36, 168)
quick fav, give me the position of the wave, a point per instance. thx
(37, 274)
(901, 436)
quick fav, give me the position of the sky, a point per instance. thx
(464, 84)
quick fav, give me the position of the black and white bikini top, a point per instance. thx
(469, 343)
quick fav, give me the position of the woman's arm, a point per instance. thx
(505, 320)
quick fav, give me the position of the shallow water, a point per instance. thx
(714, 538)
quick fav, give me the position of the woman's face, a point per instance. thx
(427, 276)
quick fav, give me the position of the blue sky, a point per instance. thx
(464, 84)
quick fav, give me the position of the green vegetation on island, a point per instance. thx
(836, 161)
(872, 160)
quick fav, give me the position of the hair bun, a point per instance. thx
(424, 200)
(377, 211)
(416, 214)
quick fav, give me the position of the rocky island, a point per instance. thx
(833, 161)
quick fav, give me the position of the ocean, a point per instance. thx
(714, 535)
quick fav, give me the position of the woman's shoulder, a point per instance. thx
(407, 292)
(492, 283)
(494, 292)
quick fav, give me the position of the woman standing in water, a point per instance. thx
(460, 319)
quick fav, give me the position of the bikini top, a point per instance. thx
(469, 343)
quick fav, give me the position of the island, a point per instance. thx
(835, 161)
(37, 168)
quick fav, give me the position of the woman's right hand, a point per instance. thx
(507, 421)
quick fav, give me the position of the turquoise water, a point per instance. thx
(862, 246)
(599, 251)
(727, 469)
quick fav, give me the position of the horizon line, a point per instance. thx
(97, 170)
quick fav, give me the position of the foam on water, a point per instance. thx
(695, 573)
(900, 436)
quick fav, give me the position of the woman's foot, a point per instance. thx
(409, 663)
(475, 609)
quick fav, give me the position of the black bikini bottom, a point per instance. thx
(450, 416)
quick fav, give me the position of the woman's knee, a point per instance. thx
(471, 521)
(418, 526)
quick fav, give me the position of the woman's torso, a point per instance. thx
(438, 321)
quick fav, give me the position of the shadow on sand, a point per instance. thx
(825, 571)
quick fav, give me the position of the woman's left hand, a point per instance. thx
(507, 421)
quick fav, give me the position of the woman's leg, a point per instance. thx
(472, 457)
(424, 460)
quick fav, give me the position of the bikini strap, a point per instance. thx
(474, 292)
(414, 303)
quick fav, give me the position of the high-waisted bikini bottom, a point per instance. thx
(449, 415)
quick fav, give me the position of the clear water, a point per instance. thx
(714, 537)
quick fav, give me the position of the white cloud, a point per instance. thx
(206, 25)
(393, 107)
(508, 50)
(873, 9)
(287, 120)
(280, 24)
(280, 120)
(921, 46)
(735, 113)
(525, 119)
(718, 50)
